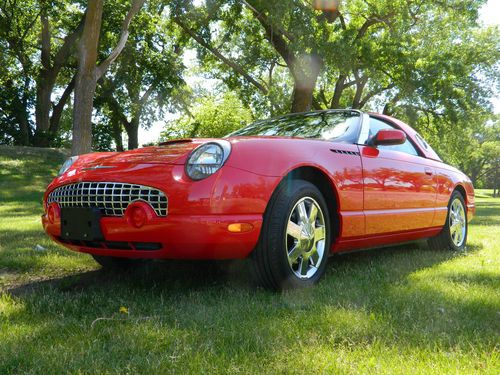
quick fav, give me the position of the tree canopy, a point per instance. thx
(73, 71)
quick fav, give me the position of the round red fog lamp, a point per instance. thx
(53, 213)
(138, 214)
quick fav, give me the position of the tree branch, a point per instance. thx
(144, 98)
(360, 86)
(64, 52)
(45, 40)
(388, 106)
(370, 21)
(103, 66)
(316, 105)
(59, 107)
(337, 93)
(275, 37)
(233, 65)
(375, 92)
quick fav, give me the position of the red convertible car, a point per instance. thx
(287, 192)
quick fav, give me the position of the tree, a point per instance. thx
(17, 41)
(479, 156)
(39, 41)
(89, 72)
(144, 78)
(211, 117)
(384, 54)
(48, 114)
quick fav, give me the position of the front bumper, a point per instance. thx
(178, 236)
(199, 213)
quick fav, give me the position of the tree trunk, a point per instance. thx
(42, 110)
(337, 94)
(117, 134)
(360, 86)
(22, 118)
(133, 133)
(44, 83)
(20, 112)
(86, 79)
(89, 73)
(302, 98)
(305, 82)
(496, 182)
(55, 119)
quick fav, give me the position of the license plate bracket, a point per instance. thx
(81, 224)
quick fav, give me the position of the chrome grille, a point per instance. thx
(112, 198)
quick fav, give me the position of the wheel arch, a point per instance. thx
(325, 185)
(462, 191)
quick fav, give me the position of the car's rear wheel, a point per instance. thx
(295, 239)
(454, 233)
(116, 263)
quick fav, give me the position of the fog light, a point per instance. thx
(138, 217)
(53, 213)
(138, 214)
(239, 227)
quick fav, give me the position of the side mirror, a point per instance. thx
(388, 137)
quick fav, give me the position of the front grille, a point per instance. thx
(112, 198)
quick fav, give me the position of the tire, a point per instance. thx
(116, 263)
(293, 248)
(454, 233)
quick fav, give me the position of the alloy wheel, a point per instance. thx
(305, 238)
(457, 222)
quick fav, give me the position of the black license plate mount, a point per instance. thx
(81, 224)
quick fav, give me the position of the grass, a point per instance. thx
(394, 310)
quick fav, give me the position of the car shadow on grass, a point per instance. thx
(394, 262)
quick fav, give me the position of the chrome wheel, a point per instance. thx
(305, 238)
(457, 222)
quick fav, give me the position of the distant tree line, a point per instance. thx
(86, 73)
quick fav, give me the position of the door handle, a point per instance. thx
(429, 172)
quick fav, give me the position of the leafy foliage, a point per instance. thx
(143, 81)
(429, 63)
(211, 117)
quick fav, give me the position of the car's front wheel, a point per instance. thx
(454, 233)
(295, 238)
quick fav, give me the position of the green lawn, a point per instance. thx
(394, 310)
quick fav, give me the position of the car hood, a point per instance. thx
(172, 152)
(176, 151)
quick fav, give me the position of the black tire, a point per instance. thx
(446, 240)
(271, 259)
(116, 263)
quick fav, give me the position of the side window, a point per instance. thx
(340, 127)
(376, 125)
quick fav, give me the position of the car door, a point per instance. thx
(399, 186)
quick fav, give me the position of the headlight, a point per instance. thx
(207, 159)
(67, 164)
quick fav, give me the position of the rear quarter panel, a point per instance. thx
(450, 179)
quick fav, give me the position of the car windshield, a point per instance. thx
(320, 125)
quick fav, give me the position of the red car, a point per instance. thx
(287, 192)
